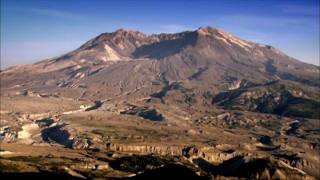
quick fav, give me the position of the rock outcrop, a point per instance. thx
(144, 112)
(57, 133)
(274, 98)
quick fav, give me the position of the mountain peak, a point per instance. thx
(213, 31)
(209, 30)
(203, 43)
(204, 30)
(126, 32)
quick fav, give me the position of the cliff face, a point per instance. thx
(223, 162)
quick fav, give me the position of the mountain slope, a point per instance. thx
(128, 104)
(127, 62)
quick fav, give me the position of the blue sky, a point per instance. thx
(32, 30)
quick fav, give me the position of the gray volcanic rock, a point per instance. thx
(127, 63)
(198, 104)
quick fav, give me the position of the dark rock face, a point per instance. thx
(144, 112)
(151, 114)
(265, 140)
(161, 49)
(57, 134)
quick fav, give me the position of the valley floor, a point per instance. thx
(55, 137)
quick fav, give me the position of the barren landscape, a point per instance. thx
(202, 104)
